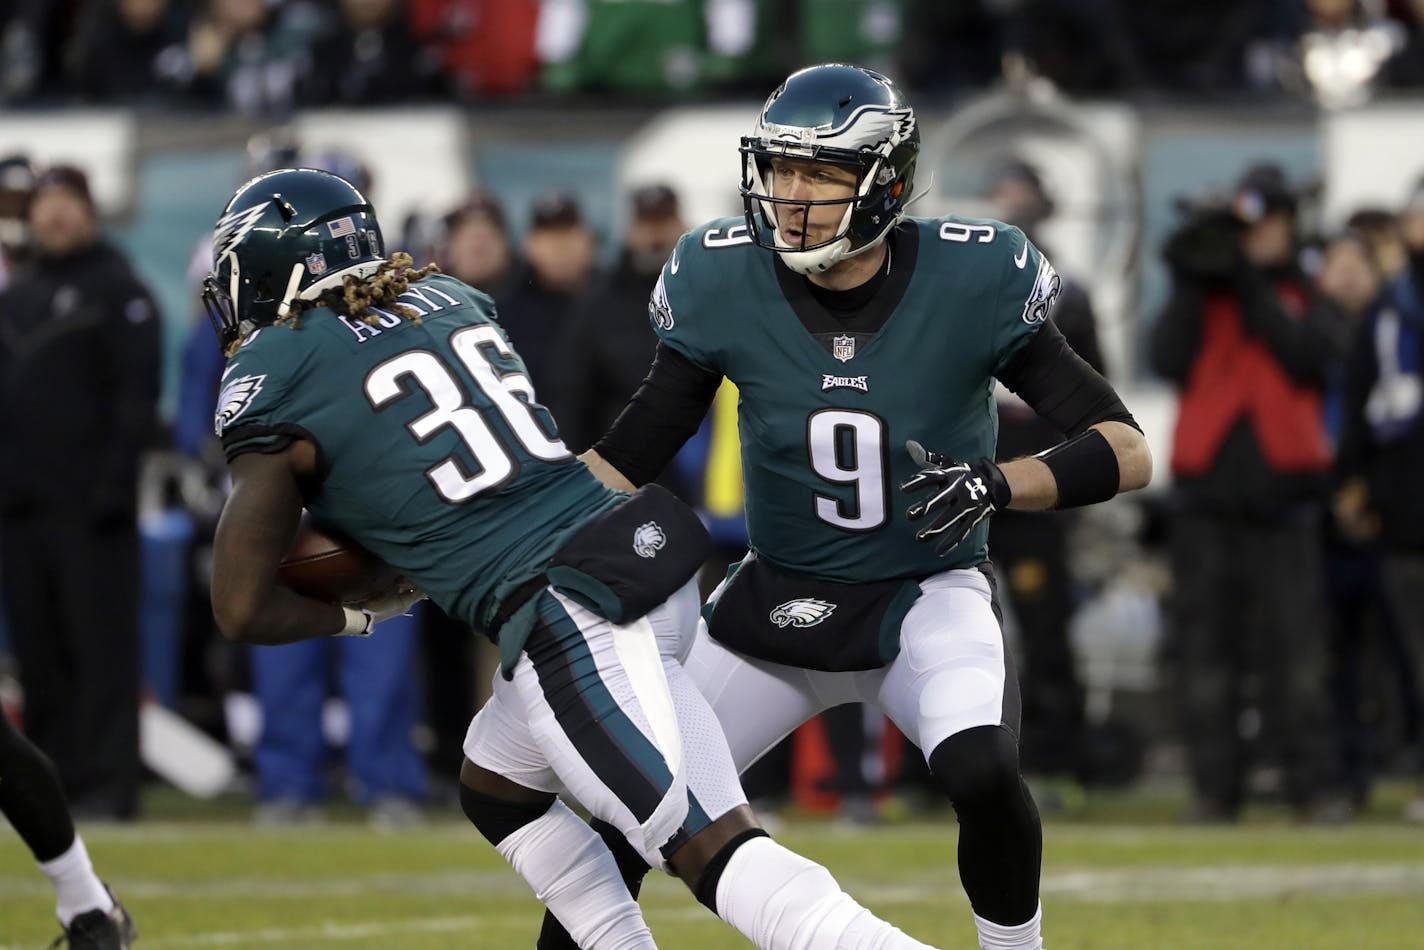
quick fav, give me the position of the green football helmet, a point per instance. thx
(288, 235)
(836, 113)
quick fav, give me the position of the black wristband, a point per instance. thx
(1085, 469)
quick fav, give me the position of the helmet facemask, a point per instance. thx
(759, 191)
(847, 116)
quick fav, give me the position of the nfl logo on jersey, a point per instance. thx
(843, 348)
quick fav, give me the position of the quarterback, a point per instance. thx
(866, 345)
(398, 413)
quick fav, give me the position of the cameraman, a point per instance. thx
(1248, 341)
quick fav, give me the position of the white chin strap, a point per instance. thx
(333, 279)
(822, 259)
(816, 260)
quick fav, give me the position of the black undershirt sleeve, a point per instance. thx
(662, 415)
(1061, 386)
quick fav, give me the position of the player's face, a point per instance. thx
(800, 179)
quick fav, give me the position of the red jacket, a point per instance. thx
(1235, 375)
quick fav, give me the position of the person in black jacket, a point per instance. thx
(79, 357)
(1382, 445)
(609, 342)
(534, 309)
(370, 56)
(1248, 341)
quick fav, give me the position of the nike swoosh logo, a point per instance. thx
(1022, 257)
(672, 261)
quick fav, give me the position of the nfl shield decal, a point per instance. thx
(316, 264)
(843, 348)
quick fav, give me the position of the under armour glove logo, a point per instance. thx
(962, 495)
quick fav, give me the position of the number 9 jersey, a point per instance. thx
(432, 451)
(825, 408)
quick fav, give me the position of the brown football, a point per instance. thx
(324, 565)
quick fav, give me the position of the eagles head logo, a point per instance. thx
(648, 539)
(236, 395)
(659, 310)
(802, 612)
(1044, 294)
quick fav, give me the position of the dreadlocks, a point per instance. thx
(358, 295)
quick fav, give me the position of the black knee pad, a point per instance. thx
(496, 818)
(706, 889)
(977, 765)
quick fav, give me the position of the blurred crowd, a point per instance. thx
(270, 56)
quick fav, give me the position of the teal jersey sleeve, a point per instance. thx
(703, 275)
(1028, 289)
(254, 413)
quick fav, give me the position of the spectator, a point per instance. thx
(1030, 550)
(560, 250)
(130, 50)
(79, 371)
(1343, 50)
(1380, 229)
(486, 46)
(636, 47)
(609, 342)
(1406, 69)
(477, 249)
(1249, 342)
(1188, 46)
(951, 46)
(32, 46)
(370, 57)
(248, 55)
(1357, 599)
(1382, 447)
(17, 177)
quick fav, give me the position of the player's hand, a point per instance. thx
(960, 496)
(401, 598)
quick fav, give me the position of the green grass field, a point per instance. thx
(1114, 877)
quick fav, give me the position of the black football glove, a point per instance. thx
(961, 496)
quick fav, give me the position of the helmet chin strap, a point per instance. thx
(820, 259)
(290, 294)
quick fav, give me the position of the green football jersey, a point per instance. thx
(824, 415)
(432, 450)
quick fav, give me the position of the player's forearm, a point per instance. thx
(279, 616)
(1035, 486)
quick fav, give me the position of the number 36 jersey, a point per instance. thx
(824, 411)
(432, 450)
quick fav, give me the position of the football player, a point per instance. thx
(33, 802)
(398, 414)
(856, 336)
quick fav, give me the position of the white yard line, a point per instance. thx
(1094, 885)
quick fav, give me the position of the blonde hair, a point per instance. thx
(358, 295)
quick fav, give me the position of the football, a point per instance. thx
(324, 565)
